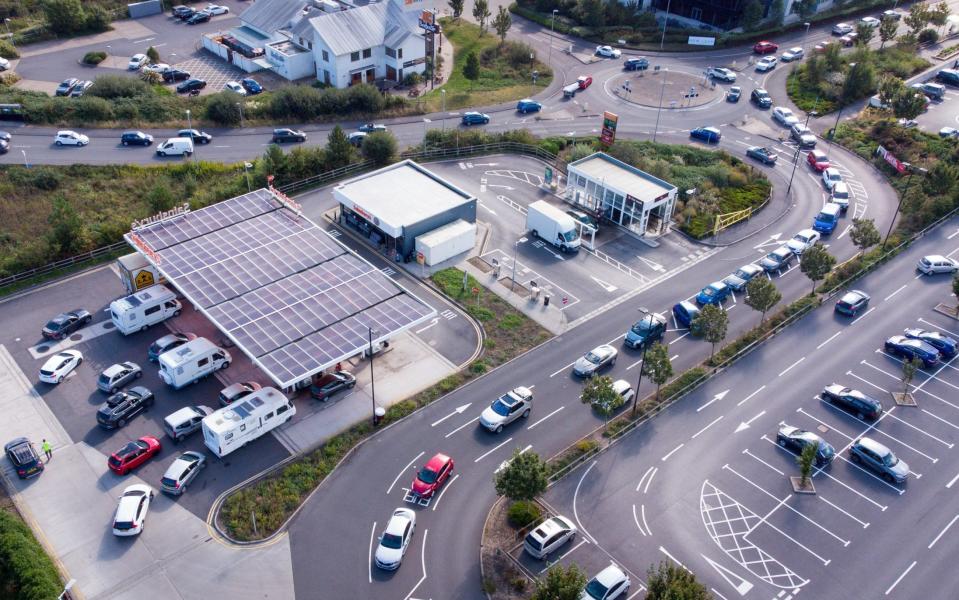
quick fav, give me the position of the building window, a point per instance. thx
(326, 56)
(399, 53)
(368, 53)
(390, 52)
(354, 56)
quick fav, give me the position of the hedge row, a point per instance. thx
(26, 571)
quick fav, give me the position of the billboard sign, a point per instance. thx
(608, 135)
(695, 40)
(428, 21)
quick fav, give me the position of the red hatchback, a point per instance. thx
(133, 455)
(584, 81)
(432, 476)
(818, 160)
(765, 47)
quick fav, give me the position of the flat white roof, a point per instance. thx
(400, 195)
(617, 174)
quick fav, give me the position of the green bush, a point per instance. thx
(94, 58)
(117, 86)
(26, 571)
(224, 108)
(7, 50)
(522, 513)
(928, 36)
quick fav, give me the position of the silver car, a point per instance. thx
(594, 360)
(183, 471)
(507, 408)
(936, 263)
(116, 376)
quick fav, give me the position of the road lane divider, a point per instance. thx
(400, 474)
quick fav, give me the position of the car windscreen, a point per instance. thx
(54, 325)
(426, 475)
(890, 460)
(391, 541)
(534, 542)
(596, 590)
(123, 525)
(571, 236)
(499, 407)
(642, 326)
(593, 358)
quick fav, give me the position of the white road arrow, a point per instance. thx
(745, 424)
(485, 164)
(739, 584)
(773, 239)
(459, 410)
(505, 187)
(606, 286)
(432, 323)
(653, 265)
(718, 396)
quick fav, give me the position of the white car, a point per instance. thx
(936, 263)
(895, 15)
(842, 28)
(831, 176)
(60, 365)
(793, 54)
(784, 116)
(622, 387)
(160, 68)
(948, 132)
(608, 52)
(507, 408)
(609, 584)
(132, 510)
(722, 74)
(869, 21)
(137, 61)
(70, 138)
(234, 87)
(766, 63)
(4, 64)
(802, 240)
(216, 9)
(395, 539)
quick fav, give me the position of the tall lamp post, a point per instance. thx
(246, 169)
(372, 379)
(552, 24)
(6, 23)
(642, 365)
(805, 33)
(662, 91)
(239, 105)
(912, 171)
(811, 113)
(443, 110)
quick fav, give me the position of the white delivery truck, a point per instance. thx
(238, 424)
(551, 224)
(192, 362)
(139, 310)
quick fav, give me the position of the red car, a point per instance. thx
(818, 160)
(432, 476)
(584, 81)
(765, 47)
(133, 455)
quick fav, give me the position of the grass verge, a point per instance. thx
(26, 570)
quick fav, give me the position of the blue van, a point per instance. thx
(827, 219)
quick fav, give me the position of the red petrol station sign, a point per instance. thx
(608, 135)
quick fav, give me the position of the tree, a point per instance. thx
(860, 81)
(380, 147)
(339, 150)
(864, 33)
(657, 366)
(805, 8)
(457, 7)
(599, 393)
(591, 12)
(66, 228)
(160, 198)
(908, 103)
(222, 108)
(471, 68)
(909, 368)
(669, 581)
(806, 459)
(816, 263)
(864, 234)
(761, 295)
(560, 583)
(777, 12)
(752, 15)
(917, 18)
(887, 31)
(525, 477)
(711, 325)
(153, 54)
(939, 15)
(481, 13)
(64, 16)
(889, 87)
(502, 23)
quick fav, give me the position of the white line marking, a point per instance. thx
(546, 417)
(457, 411)
(853, 322)
(636, 520)
(861, 522)
(952, 481)
(634, 364)
(563, 369)
(422, 560)
(707, 427)
(470, 422)
(923, 431)
(373, 535)
(744, 400)
(400, 474)
(786, 370)
(747, 452)
(650, 480)
(575, 496)
(673, 558)
(941, 533)
(935, 416)
(494, 449)
(670, 453)
(564, 555)
(643, 478)
(443, 491)
(829, 340)
(896, 292)
(904, 573)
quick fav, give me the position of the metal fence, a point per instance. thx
(60, 264)
(324, 178)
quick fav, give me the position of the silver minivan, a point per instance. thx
(182, 471)
(185, 421)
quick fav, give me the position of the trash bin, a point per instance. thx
(378, 413)
(546, 300)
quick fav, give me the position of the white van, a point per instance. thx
(552, 225)
(138, 311)
(238, 424)
(176, 146)
(192, 362)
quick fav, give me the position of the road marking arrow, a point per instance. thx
(718, 396)
(742, 586)
(745, 424)
(459, 410)
(653, 265)
(501, 186)
(773, 239)
(606, 286)
(432, 323)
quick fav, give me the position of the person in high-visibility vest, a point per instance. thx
(47, 450)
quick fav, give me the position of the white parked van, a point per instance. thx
(238, 424)
(176, 146)
(138, 311)
(553, 225)
(192, 362)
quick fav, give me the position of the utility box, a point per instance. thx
(137, 273)
(446, 242)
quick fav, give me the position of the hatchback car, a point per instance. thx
(721, 73)
(132, 510)
(24, 458)
(803, 240)
(936, 263)
(651, 328)
(608, 52)
(200, 17)
(766, 63)
(81, 88)
(356, 138)
(252, 86)
(198, 137)
(734, 94)
(584, 81)
(66, 323)
(764, 155)
(183, 12)
(852, 303)
(528, 105)
(119, 408)
(609, 584)
(784, 116)
(325, 387)
(507, 408)
(623, 390)
(133, 454)
(237, 391)
(830, 176)
(190, 85)
(167, 343)
(873, 455)
(709, 135)
(796, 440)
(636, 64)
(910, 348)
(685, 313)
(598, 358)
(287, 135)
(869, 21)
(182, 472)
(714, 294)
(842, 28)
(854, 401)
(137, 61)
(817, 160)
(777, 260)
(765, 47)
(946, 345)
(795, 53)
(549, 536)
(236, 88)
(738, 280)
(118, 375)
(70, 138)
(395, 539)
(803, 134)
(159, 68)
(136, 138)
(432, 476)
(174, 75)
(60, 365)
(475, 118)
(761, 98)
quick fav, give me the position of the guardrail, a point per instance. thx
(60, 264)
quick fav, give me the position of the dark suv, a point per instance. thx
(190, 85)
(123, 406)
(183, 12)
(761, 98)
(288, 135)
(175, 75)
(852, 400)
(24, 458)
(167, 343)
(137, 138)
(647, 330)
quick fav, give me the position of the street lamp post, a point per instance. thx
(532, 84)
(662, 91)
(912, 171)
(811, 113)
(372, 381)
(552, 24)
(805, 33)
(662, 40)
(239, 105)
(246, 169)
(642, 365)
(6, 23)
(512, 278)
(443, 110)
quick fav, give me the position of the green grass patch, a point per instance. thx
(26, 571)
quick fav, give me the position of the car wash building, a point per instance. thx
(621, 193)
(395, 205)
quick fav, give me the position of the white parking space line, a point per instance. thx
(901, 491)
(937, 417)
(854, 321)
(883, 371)
(831, 338)
(546, 417)
(896, 292)
(823, 423)
(898, 579)
(563, 555)
(786, 370)
(372, 537)
(943, 532)
(405, 469)
(866, 381)
(634, 364)
(744, 400)
(443, 491)
(851, 516)
(922, 431)
(678, 338)
(494, 449)
(671, 452)
(714, 421)
(952, 482)
(747, 452)
(888, 413)
(942, 329)
(560, 370)
(673, 558)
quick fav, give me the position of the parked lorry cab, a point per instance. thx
(192, 362)
(828, 218)
(570, 90)
(137, 273)
(182, 146)
(553, 225)
(238, 424)
(139, 310)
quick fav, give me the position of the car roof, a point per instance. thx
(550, 526)
(437, 462)
(610, 576)
(871, 444)
(620, 386)
(397, 523)
(113, 370)
(176, 469)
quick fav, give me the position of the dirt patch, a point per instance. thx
(481, 264)
(503, 578)
(514, 287)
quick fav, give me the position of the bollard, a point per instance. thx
(546, 300)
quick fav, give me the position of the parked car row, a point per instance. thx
(73, 87)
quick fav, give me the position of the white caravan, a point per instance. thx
(192, 362)
(138, 311)
(238, 424)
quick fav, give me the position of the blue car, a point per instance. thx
(685, 312)
(946, 345)
(475, 118)
(714, 293)
(636, 64)
(710, 135)
(909, 348)
(527, 106)
(251, 86)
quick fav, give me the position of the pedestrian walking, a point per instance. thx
(47, 450)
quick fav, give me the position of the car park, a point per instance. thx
(817, 160)
(507, 408)
(795, 53)
(174, 75)
(60, 365)
(871, 454)
(796, 440)
(685, 313)
(765, 47)
(714, 294)
(584, 81)
(475, 118)
(81, 88)
(842, 28)
(287, 135)
(237, 391)
(432, 476)
(764, 155)
(784, 116)
(761, 98)
(827, 219)
(766, 63)
(199, 17)
(191, 362)
(395, 539)
(804, 135)
(70, 138)
(133, 454)
(216, 9)
(830, 176)
(136, 138)
(853, 401)
(777, 260)
(252, 86)
(803, 240)
(198, 137)
(946, 345)
(528, 105)
(236, 88)
(137, 61)
(934, 91)
(852, 303)
(742, 276)
(167, 343)
(118, 375)
(149, 306)
(651, 328)
(121, 407)
(181, 472)
(721, 73)
(609, 584)
(328, 385)
(593, 361)
(935, 264)
(181, 423)
(869, 21)
(66, 323)
(549, 536)
(709, 135)
(24, 458)
(636, 64)
(734, 94)
(840, 195)
(608, 52)
(132, 510)
(190, 85)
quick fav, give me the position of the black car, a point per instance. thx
(123, 406)
(647, 330)
(946, 345)
(761, 98)
(199, 137)
(167, 343)
(237, 391)
(136, 138)
(636, 64)
(24, 458)
(852, 400)
(183, 12)
(200, 17)
(910, 348)
(4, 146)
(329, 384)
(796, 439)
(764, 155)
(174, 75)
(288, 135)
(852, 302)
(66, 86)
(66, 323)
(190, 85)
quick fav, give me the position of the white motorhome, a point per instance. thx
(138, 311)
(552, 225)
(238, 424)
(192, 362)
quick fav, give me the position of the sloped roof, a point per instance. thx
(360, 28)
(271, 15)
